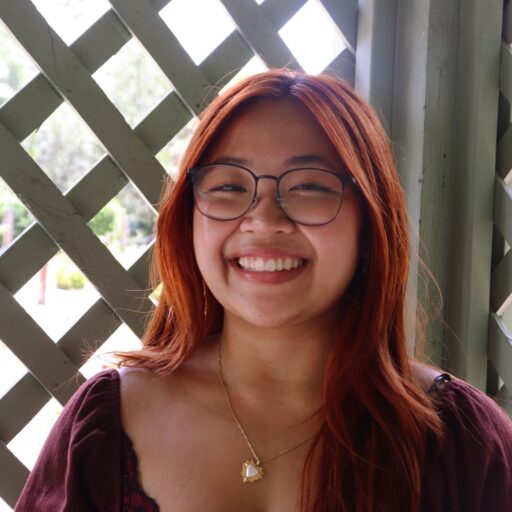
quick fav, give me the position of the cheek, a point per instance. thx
(208, 237)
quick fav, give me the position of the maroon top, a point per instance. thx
(88, 463)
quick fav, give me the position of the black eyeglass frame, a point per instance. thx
(193, 172)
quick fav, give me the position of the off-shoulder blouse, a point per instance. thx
(88, 462)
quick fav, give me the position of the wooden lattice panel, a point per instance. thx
(500, 323)
(66, 75)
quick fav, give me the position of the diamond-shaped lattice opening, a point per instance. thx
(313, 37)
(133, 82)
(126, 225)
(70, 18)
(12, 369)
(171, 154)
(191, 23)
(122, 340)
(63, 147)
(14, 217)
(16, 68)
(27, 444)
(57, 296)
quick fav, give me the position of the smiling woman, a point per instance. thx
(276, 356)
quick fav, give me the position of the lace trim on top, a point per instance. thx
(134, 497)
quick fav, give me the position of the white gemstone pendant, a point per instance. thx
(251, 471)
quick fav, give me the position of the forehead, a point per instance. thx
(272, 131)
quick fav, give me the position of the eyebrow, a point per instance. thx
(310, 158)
(306, 159)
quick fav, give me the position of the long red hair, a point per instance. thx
(370, 450)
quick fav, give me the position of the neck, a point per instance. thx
(281, 367)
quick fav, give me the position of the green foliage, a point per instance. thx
(107, 219)
(69, 278)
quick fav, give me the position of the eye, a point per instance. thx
(227, 187)
(313, 187)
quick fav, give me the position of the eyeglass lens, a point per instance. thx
(308, 196)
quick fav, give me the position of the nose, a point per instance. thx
(265, 214)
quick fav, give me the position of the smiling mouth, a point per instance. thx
(269, 264)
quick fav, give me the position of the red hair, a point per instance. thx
(376, 419)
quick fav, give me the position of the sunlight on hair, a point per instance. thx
(122, 339)
(312, 37)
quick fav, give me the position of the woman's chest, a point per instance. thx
(198, 472)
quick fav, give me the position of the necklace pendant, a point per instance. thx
(252, 471)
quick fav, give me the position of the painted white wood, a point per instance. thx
(29, 252)
(260, 33)
(151, 31)
(73, 81)
(100, 41)
(504, 155)
(501, 284)
(36, 350)
(280, 11)
(343, 66)
(344, 14)
(500, 348)
(507, 22)
(476, 108)
(19, 405)
(376, 34)
(29, 108)
(14, 475)
(25, 256)
(226, 60)
(503, 209)
(163, 122)
(506, 71)
(67, 228)
(89, 332)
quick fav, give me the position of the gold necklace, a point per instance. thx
(252, 470)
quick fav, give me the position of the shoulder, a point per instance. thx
(474, 416)
(79, 464)
(473, 469)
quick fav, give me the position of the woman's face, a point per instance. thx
(270, 137)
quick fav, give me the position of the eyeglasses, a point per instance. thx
(307, 195)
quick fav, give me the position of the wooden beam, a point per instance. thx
(20, 404)
(500, 348)
(344, 14)
(260, 33)
(501, 284)
(33, 347)
(14, 474)
(503, 209)
(69, 230)
(157, 38)
(476, 108)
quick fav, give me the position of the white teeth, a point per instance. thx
(269, 265)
